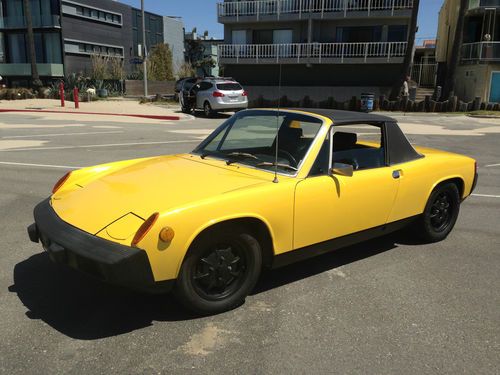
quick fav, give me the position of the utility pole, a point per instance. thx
(144, 51)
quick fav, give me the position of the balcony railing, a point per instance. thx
(300, 7)
(305, 52)
(473, 4)
(481, 51)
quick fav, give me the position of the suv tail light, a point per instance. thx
(217, 94)
(244, 93)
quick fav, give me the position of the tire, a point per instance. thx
(207, 109)
(440, 214)
(186, 110)
(219, 271)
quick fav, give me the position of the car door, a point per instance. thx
(330, 206)
(202, 94)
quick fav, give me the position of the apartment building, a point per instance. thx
(14, 54)
(335, 48)
(67, 33)
(478, 73)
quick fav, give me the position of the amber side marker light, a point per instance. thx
(61, 182)
(144, 228)
(167, 234)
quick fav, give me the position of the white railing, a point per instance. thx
(277, 7)
(484, 51)
(483, 4)
(302, 52)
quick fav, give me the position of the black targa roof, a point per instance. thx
(398, 148)
(340, 117)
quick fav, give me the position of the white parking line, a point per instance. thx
(492, 165)
(39, 165)
(58, 134)
(486, 195)
(103, 145)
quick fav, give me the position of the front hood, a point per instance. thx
(151, 185)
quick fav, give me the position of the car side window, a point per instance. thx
(360, 145)
(205, 86)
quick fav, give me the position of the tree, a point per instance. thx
(195, 54)
(160, 63)
(35, 78)
(451, 71)
(186, 70)
(100, 65)
(407, 62)
(116, 68)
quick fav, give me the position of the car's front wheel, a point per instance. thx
(441, 213)
(219, 271)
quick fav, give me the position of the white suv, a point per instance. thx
(214, 95)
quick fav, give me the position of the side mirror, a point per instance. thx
(342, 169)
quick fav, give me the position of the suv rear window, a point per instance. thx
(229, 86)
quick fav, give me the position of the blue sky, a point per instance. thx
(202, 14)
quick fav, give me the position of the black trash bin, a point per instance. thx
(367, 101)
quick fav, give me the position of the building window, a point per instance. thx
(397, 33)
(72, 8)
(359, 34)
(87, 48)
(2, 49)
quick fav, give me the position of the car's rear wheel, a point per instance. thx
(207, 109)
(441, 213)
(219, 271)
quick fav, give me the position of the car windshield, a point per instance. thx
(249, 137)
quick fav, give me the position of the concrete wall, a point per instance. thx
(373, 75)
(316, 94)
(475, 80)
(136, 88)
(173, 35)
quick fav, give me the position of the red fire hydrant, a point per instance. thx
(61, 93)
(76, 98)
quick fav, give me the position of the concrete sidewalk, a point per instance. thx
(109, 107)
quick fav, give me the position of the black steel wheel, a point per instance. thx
(441, 213)
(220, 270)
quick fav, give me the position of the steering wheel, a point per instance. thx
(287, 155)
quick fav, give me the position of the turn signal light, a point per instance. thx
(167, 234)
(61, 182)
(217, 94)
(144, 228)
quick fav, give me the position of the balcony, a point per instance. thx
(39, 21)
(269, 10)
(475, 4)
(313, 53)
(481, 52)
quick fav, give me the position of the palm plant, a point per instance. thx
(35, 78)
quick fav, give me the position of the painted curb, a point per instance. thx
(154, 117)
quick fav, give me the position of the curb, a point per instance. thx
(154, 117)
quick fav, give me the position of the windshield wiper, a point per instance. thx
(240, 154)
(268, 164)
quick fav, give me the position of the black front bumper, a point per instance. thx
(103, 259)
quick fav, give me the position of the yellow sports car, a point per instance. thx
(266, 188)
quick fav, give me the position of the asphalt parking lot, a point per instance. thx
(390, 305)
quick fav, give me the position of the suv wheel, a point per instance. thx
(207, 109)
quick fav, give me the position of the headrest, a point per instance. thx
(344, 141)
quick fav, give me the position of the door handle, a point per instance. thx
(396, 174)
